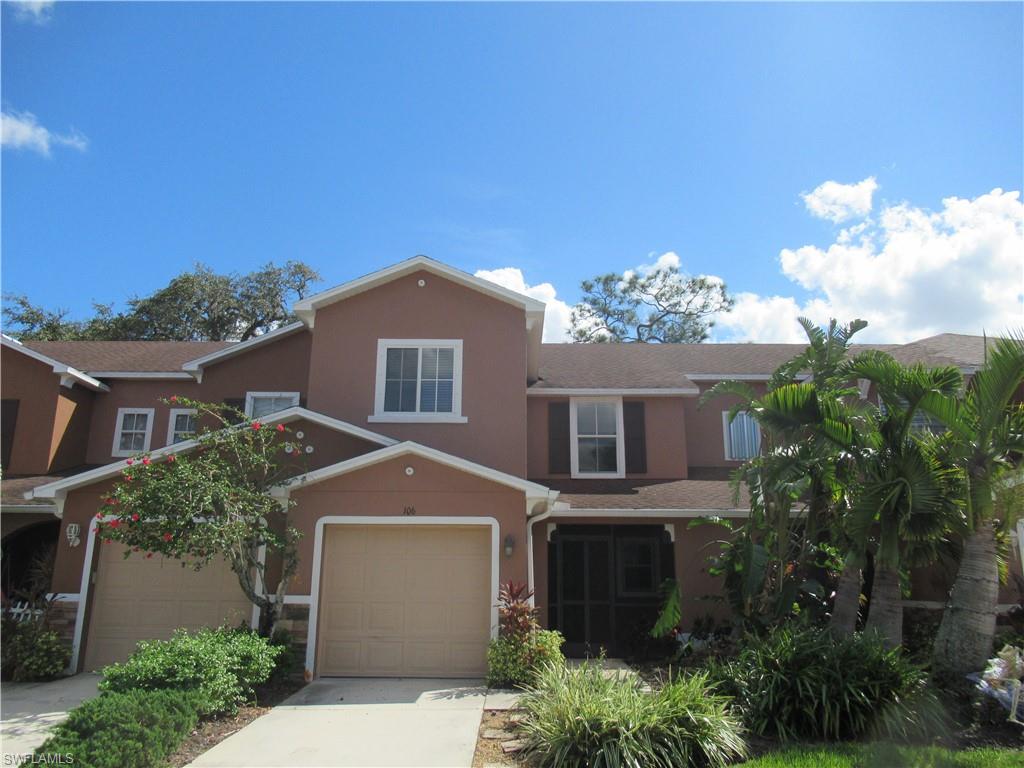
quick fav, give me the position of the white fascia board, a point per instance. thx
(306, 308)
(68, 376)
(611, 392)
(739, 376)
(409, 448)
(682, 513)
(154, 375)
(194, 366)
(57, 489)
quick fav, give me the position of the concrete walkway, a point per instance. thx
(361, 722)
(29, 711)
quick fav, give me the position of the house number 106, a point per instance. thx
(409, 511)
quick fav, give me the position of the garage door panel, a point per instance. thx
(147, 599)
(425, 608)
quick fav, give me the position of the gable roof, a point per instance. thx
(306, 308)
(58, 488)
(407, 448)
(957, 349)
(127, 356)
(69, 376)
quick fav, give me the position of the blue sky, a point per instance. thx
(558, 140)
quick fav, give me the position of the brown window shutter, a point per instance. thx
(636, 437)
(8, 420)
(235, 402)
(558, 439)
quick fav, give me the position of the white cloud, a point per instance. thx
(839, 202)
(667, 259)
(21, 130)
(911, 273)
(36, 11)
(557, 312)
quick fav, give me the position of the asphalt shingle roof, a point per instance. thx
(138, 356)
(712, 495)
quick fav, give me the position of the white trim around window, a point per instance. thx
(380, 415)
(171, 432)
(752, 433)
(116, 449)
(620, 443)
(251, 397)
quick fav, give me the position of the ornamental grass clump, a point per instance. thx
(578, 716)
(805, 683)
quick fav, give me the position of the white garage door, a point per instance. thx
(147, 599)
(404, 601)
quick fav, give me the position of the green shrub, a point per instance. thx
(806, 684)
(32, 652)
(578, 716)
(221, 665)
(137, 729)
(513, 660)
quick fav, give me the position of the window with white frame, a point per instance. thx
(181, 425)
(259, 404)
(742, 436)
(595, 426)
(133, 431)
(418, 380)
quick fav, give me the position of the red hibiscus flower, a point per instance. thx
(99, 515)
(149, 554)
(256, 425)
(173, 398)
(129, 462)
(280, 427)
(168, 537)
(146, 461)
(172, 458)
(135, 517)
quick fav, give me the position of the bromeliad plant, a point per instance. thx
(213, 501)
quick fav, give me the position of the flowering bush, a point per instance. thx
(211, 501)
(522, 646)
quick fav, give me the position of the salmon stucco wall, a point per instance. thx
(433, 490)
(664, 425)
(279, 366)
(691, 549)
(343, 364)
(34, 385)
(72, 420)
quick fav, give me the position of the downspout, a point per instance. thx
(530, 522)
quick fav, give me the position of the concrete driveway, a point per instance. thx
(361, 722)
(29, 711)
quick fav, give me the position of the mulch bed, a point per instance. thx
(209, 733)
(488, 751)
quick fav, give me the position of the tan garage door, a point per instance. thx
(404, 601)
(145, 599)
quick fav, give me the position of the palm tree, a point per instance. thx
(904, 495)
(807, 426)
(985, 434)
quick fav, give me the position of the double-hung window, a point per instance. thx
(258, 404)
(181, 425)
(418, 380)
(596, 432)
(133, 431)
(742, 436)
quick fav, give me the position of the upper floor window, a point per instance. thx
(742, 436)
(418, 380)
(595, 428)
(181, 425)
(133, 432)
(258, 404)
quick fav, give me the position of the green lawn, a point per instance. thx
(885, 756)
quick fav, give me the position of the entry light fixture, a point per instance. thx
(73, 532)
(510, 544)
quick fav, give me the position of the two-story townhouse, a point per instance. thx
(451, 450)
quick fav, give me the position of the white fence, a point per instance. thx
(22, 610)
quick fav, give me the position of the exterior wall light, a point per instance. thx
(73, 532)
(410, 471)
(510, 544)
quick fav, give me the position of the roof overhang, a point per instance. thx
(68, 376)
(195, 367)
(612, 392)
(534, 491)
(58, 489)
(306, 308)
